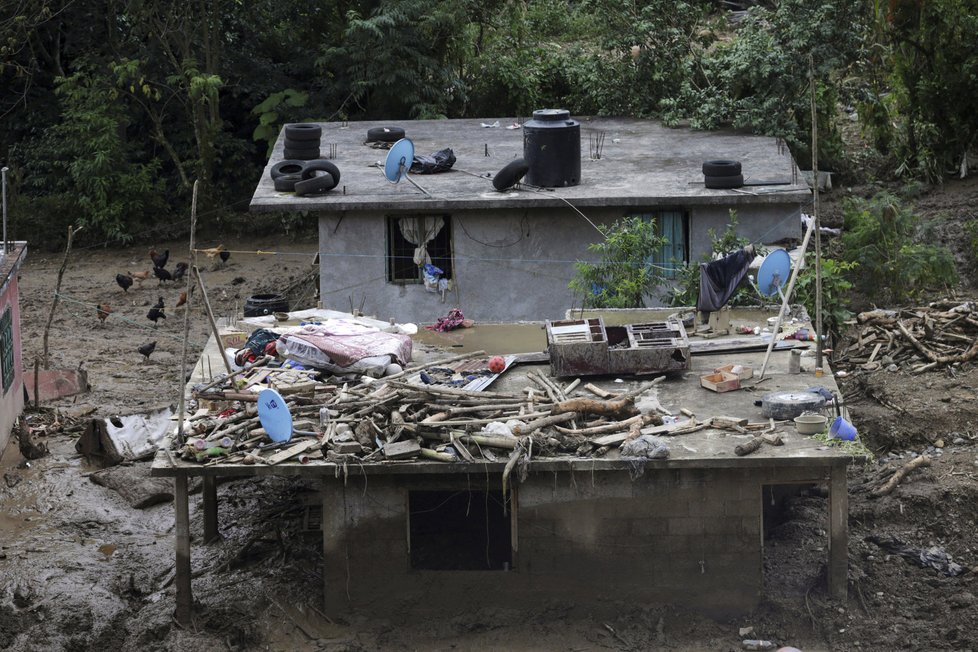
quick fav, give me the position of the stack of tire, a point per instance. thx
(384, 134)
(315, 177)
(302, 141)
(720, 174)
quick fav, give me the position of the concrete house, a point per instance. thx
(508, 256)
(12, 256)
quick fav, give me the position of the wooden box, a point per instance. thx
(720, 381)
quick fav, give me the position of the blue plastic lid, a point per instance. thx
(274, 415)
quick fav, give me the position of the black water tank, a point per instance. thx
(552, 148)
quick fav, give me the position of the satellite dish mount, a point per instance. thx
(398, 163)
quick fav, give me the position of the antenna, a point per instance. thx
(773, 273)
(398, 162)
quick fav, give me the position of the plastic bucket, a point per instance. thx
(842, 429)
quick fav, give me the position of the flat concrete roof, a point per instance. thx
(642, 164)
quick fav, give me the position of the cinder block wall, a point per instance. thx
(691, 537)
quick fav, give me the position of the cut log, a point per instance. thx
(901, 473)
(618, 407)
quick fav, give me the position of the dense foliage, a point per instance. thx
(111, 109)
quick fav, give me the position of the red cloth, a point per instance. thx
(449, 322)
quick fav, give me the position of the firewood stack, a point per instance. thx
(933, 337)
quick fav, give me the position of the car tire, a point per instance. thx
(721, 168)
(511, 173)
(718, 183)
(304, 131)
(385, 134)
(306, 154)
(288, 166)
(784, 406)
(316, 185)
(310, 169)
(286, 182)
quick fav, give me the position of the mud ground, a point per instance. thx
(82, 570)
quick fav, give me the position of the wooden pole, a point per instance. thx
(57, 292)
(818, 231)
(787, 296)
(210, 317)
(182, 380)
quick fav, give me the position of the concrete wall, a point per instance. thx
(12, 401)
(509, 266)
(691, 537)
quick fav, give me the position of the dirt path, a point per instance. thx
(82, 570)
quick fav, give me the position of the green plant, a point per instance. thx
(880, 237)
(623, 276)
(277, 109)
(836, 290)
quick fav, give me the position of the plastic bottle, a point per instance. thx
(323, 417)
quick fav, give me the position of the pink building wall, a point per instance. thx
(12, 400)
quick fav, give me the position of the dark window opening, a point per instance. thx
(6, 350)
(459, 530)
(400, 252)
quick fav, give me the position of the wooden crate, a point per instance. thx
(720, 382)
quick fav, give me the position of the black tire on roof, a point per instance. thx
(316, 185)
(288, 166)
(734, 181)
(511, 173)
(303, 131)
(385, 134)
(286, 182)
(310, 169)
(721, 168)
(302, 154)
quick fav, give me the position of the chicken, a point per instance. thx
(224, 255)
(124, 281)
(213, 251)
(103, 310)
(159, 259)
(162, 274)
(179, 271)
(147, 350)
(140, 276)
(182, 300)
(156, 313)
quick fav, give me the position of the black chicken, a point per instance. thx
(159, 259)
(147, 350)
(179, 271)
(124, 281)
(156, 312)
(224, 255)
(162, 274)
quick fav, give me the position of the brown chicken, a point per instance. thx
(213, 251)
(140, 276)
(159, 259)
(182, 300)
(103, 310)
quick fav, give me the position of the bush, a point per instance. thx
(624, 276)
(880, 235)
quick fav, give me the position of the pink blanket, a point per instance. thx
(347, 342)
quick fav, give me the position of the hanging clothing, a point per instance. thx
(419, 231)
(719, 279)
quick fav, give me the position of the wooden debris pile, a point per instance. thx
(391, 420)
(925, 338)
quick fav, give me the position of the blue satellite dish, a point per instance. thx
(773, 272)
(274, 415)
(399, 160)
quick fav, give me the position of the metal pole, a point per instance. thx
(818, 225)
(3, 173)
(182, 381)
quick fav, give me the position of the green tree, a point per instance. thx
(623, 276)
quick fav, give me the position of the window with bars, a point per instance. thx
(673, 225)
(400, 252)
(7, 350)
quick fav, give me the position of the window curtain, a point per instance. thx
(419, 231)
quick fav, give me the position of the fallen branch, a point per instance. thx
(901, 473)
